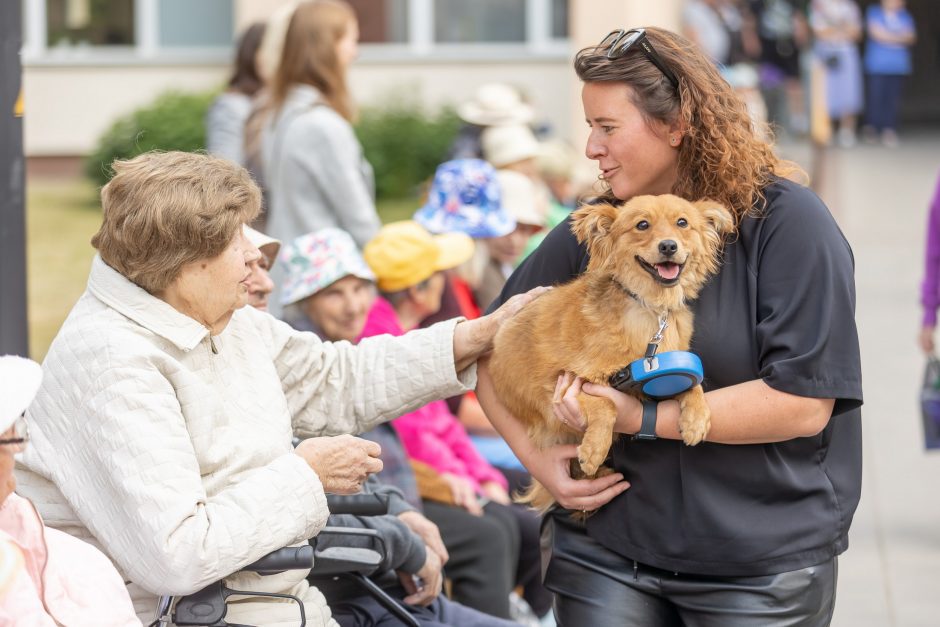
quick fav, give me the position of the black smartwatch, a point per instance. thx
(648, 425)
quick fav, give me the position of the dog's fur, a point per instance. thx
(598, 323)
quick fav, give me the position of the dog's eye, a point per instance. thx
(682, 223)
(642, 225)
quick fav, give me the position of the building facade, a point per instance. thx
(86, 62)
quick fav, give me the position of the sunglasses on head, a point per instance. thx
(621, 41)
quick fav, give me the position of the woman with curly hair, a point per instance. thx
(744, 528)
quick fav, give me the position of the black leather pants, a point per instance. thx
(595, 587)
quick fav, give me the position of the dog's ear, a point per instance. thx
(591, 224)
(721, 222)
(718, 216)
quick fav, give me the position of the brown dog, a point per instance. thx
(648, 258)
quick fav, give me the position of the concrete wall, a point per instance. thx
(68, 107)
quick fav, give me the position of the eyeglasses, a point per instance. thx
(621, 41)
(20, 435)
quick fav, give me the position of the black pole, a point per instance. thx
(13, 325)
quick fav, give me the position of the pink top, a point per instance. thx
(50, 578)
(432, 434)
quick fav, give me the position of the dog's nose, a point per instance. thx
(668, 247)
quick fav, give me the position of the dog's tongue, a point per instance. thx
(668, 270)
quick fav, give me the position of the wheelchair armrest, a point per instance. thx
(334, 560)
(288, 558)
(357, 504)
(342, 560)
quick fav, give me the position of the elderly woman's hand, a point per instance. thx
(472, 338)
(342, 462)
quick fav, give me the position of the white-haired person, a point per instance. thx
(47, 577)
(163, 428)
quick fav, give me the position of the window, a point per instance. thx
(126, 31)
(458, 21)
(559, 19)
(382, 21)
(202, 24)
(83, 23)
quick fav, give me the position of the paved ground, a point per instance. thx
(890, 576)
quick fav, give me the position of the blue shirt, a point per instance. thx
(881, 58)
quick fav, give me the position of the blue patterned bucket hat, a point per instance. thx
(465, 198)
(319, 259)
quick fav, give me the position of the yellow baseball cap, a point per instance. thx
(404, 254)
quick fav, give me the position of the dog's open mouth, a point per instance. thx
(666, 272)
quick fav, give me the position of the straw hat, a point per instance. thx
(521, 198)
(494, 104)
(503, 145)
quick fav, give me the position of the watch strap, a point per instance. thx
(648, 425)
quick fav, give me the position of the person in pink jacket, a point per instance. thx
(47, 577)
(408, 263)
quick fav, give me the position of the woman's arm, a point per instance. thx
(747, 413)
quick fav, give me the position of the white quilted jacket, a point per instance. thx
(171, 450)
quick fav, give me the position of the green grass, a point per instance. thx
(61, 217)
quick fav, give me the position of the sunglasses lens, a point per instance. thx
(631, 38)
(610, 39)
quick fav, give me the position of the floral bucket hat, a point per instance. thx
(319, 259)
(465, 198)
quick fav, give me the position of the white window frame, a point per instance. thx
(420, 46)
(146, 50)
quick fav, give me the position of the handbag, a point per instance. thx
(930, 403)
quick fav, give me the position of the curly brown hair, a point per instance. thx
(721, 156)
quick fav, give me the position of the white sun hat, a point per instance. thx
(495, 104)
(19, 382)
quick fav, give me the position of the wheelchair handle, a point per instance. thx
(288, 558)
(357, 504)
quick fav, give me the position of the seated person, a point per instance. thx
(260, 284)
(47, 577)
(408, 263)
(411, 571)
(163, 427)
(330, 290)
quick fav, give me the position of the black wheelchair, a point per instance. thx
(207, 607)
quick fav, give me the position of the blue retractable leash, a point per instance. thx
(659, 376)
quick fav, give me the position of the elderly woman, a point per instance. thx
(47, 577)
(162, 431)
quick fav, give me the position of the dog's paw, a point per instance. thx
(694, 428)
(587, 458)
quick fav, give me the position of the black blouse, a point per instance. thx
(781, 309)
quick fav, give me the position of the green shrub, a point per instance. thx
(174, 121)
(404, 145)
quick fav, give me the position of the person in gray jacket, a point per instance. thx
(314, 171)
(226, 117)
(411, 570)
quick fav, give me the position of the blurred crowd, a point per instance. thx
(768, 50)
